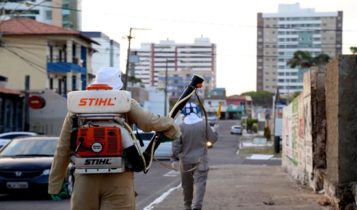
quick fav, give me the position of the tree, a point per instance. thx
(353, 50)
(260, 98)
(303, 59)
(320, 60)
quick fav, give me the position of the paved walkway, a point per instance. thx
(247, 187)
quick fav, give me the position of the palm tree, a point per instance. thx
(303, 59)
(320, 60)
(353, 50)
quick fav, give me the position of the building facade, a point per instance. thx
(281, 34)
(63, 13)
(53, 57)
(171, 65)
(107, 52)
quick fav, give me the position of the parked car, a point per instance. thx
(25, 165)
(236, 130)
(6, 137)
(164, 151)
(212, 120)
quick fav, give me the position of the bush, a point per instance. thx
(250, 125)
(255, 127)
(267, 133)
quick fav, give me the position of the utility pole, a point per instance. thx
(165, 102)
(126, 78)
(127, 60)
(26, 108)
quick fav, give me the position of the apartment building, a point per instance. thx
(54, 57)
(293, 28)
(172, 65)
(107, 52)
(63, 13)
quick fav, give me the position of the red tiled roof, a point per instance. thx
(22, 26)
(236, 97)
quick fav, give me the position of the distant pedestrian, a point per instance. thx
(191, 151)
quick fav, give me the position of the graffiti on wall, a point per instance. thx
(297, 130)
(297, 140)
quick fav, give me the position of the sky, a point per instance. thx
(230, 24)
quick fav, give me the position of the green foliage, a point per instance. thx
(255, 128)
(303, 59)
(260, 98)
(267, 133)
(250, 125)
(353, 50)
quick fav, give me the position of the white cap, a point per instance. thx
(110, 76)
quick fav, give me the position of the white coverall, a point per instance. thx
(191, 150)
(113, 191)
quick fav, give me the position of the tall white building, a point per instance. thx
(174, 63)
(63, 13)
(107, 52)
(293, 28)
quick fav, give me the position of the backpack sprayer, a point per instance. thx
(196, 82)
(101, 140)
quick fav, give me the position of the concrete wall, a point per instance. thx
(293, 152)
(49, 119)
(297, 141)
(341, 115)
(318, 131)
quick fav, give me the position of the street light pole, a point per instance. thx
(127, 60)
(127, 57)
(165, 102)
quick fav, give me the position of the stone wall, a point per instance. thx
(341, 116)
(297, 152)
(318, 132)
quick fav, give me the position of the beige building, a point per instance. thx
(63, 13)
(54, 57)
(293, 28)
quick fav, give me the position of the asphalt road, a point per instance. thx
(156, 182)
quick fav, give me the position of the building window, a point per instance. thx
(48, 15)
(51, 83)
(74, 82)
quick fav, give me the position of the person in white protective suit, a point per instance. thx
(106, 191)
(191, 151)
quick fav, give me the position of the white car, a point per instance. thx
(164, 151)
(236, 130)
(6, 137)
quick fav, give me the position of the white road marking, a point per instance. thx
(260, 157)
(161, 198)
(172, 173)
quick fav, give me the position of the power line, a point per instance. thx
(37, 66)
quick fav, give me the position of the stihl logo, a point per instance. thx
(104, 161)
(96, 102)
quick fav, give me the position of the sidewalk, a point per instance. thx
(248, 187)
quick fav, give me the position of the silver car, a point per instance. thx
(6, 137)
(163, 152)
(236, 130)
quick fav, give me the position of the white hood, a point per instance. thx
(192, 118)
